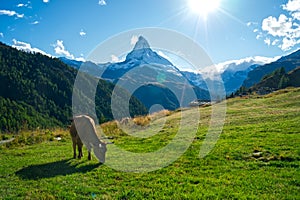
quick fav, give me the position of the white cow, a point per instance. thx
(83, 131)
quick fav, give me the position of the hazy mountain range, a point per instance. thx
(37, 89)
(234, 73)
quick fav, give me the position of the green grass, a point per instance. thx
(232, 170)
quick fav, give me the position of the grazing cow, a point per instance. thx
(83, 131)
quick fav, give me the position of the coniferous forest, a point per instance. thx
(36, 91)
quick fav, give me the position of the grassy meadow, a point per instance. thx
(256, 157)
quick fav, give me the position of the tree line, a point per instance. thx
(36, 91)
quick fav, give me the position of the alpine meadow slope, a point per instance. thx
(256, 157)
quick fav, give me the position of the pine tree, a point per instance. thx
(283, 83)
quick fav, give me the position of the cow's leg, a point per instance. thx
(74, 149)
(80, 151)
(89, 148)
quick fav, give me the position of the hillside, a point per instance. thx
(294, 77)
(150, 77)
(36, 91)
(256, 157)
(278, 79)
(289, 63)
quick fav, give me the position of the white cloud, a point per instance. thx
(267, 41)
(102, 2)
(82, 33)
(35, 22)
(24, 5)
(1, 35)
(292, 6)
(280, 27)
(134, 40)
(296, 15)
(11, 13)
(27, 47)
(60, 49)
(249, 24)
(275, 42)
(259, 36)
(80, 59)
(244, 63)
(288, 43)
(284, 31)
(46, 1)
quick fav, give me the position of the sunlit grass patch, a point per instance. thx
(256, 157)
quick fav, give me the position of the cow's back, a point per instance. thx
(85, 128)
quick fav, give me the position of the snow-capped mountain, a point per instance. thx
(289, 62)
(243, 64)
(141, 54)
(144, 54)
(232, 73)
(144, 66)
(148, 76)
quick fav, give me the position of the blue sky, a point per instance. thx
(235, 30)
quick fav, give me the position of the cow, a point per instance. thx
(83, 131)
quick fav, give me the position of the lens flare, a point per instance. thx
(203, 7)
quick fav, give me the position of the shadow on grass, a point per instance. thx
(48, 170)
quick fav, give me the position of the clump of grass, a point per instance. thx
(146, 120)
(37, 136)
(142, 120)
(160, 114)
(111, 129)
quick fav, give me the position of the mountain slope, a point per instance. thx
(255, 157)
(278, 79)
(36, 91)
(141, 54)
(233, 73)
(294, 77)
(145, 71)
(289, 63)
(234, 79)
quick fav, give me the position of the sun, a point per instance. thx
(203, 7)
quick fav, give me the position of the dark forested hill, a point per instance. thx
(278, 79)
(36, 91)
(289, 63)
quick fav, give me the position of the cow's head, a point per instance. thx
(100, 151)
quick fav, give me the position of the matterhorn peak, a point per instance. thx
(145, 54)
(142, 43)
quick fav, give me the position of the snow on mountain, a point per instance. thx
(143, 53)
(149, 64)
(243, 64)
(142, 43)
(230, 73)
